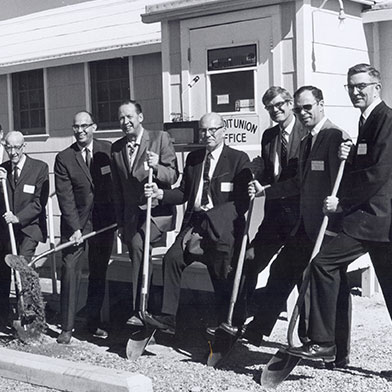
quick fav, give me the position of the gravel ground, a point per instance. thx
(177, 364)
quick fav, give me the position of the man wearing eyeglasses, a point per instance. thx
(133, 155)
(214, 185)
(278, 162)
(84, 191)
(366, 202)
(317, 171)
(27, 187)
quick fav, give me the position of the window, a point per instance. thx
(232, 74)
(29, 102)
(109, 87)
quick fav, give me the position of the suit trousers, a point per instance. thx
(326, 277)
(136, 253)
(175, 262)
(25, 247)
(285, 272)
(99, 252)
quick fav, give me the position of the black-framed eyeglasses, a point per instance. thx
(81, 127)
(358, 86)
(15, 148)
(278, 106)
(212, 131)
(307, 107)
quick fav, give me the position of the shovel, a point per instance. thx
(226, 334)
(20, 329)
(282, 363)
(140, 338)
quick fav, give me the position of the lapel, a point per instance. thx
(138, 164)
(79, 159)
(196, 175)
(317, 144)
(25, 171)
(124, 154)
(221, 165)
(367, 131)
(296, 136)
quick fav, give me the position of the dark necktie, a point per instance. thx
(307, 149)
(361, 123)
(15, 174)
(206, 180)
(283, 148)
(88, 158)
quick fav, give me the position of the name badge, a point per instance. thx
(28, 189)
(227, 187)
(146, 167)
(317, 166)
(105, 170)
(362, 149)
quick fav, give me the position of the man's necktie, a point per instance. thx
(206, 180)
(131, 151)
(15, 174)
(361, 123)
(283, 148)
(88, 158)
(307, 148)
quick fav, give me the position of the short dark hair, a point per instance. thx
(273, 92)
(360, 68)
(133, 102)
(317, 93)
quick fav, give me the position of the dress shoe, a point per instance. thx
(135, 321)
(64, 337)
(252, 335)
(164, 322)
(98, 332)
(339, 363)
(315, 351)
(211, 330)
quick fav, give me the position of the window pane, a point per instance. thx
(233, 57)
(232, 92)
(109, 87)
(29, 102)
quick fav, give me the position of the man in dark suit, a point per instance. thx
(84, 191)
(366, 205)
(214, 187)
(132, 157)
(28, 189)
(318, 167)
(279, 162)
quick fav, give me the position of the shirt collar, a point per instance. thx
(370, 108)
(21, 163)
(215, 154)
(89, 146)
(138, 139)
(317, 128)
(289, 127)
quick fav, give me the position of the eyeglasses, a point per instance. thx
(81, 127)
(307, 107)
(278, 106)
(15, 148)
(358, 86)
(212, 131)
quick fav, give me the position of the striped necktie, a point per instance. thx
(283, 148)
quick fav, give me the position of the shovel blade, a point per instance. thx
(221, 347)
(138, 341)
(278, 368)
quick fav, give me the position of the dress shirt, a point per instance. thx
(19, 165)
(136, 149)
(214, 160)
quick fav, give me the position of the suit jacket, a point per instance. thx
(314, 180)
(84, 195)
(287, 209)
(367, 183)
(129, 184)
(228, 188)
(28, 199)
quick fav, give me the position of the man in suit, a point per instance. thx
(132, 157)
(318, 167)
(279, 162)
(366, 204)
(84, 190)
(28, 189)
(214, 187)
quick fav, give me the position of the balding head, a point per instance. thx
(15, 145)
(212, 129)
